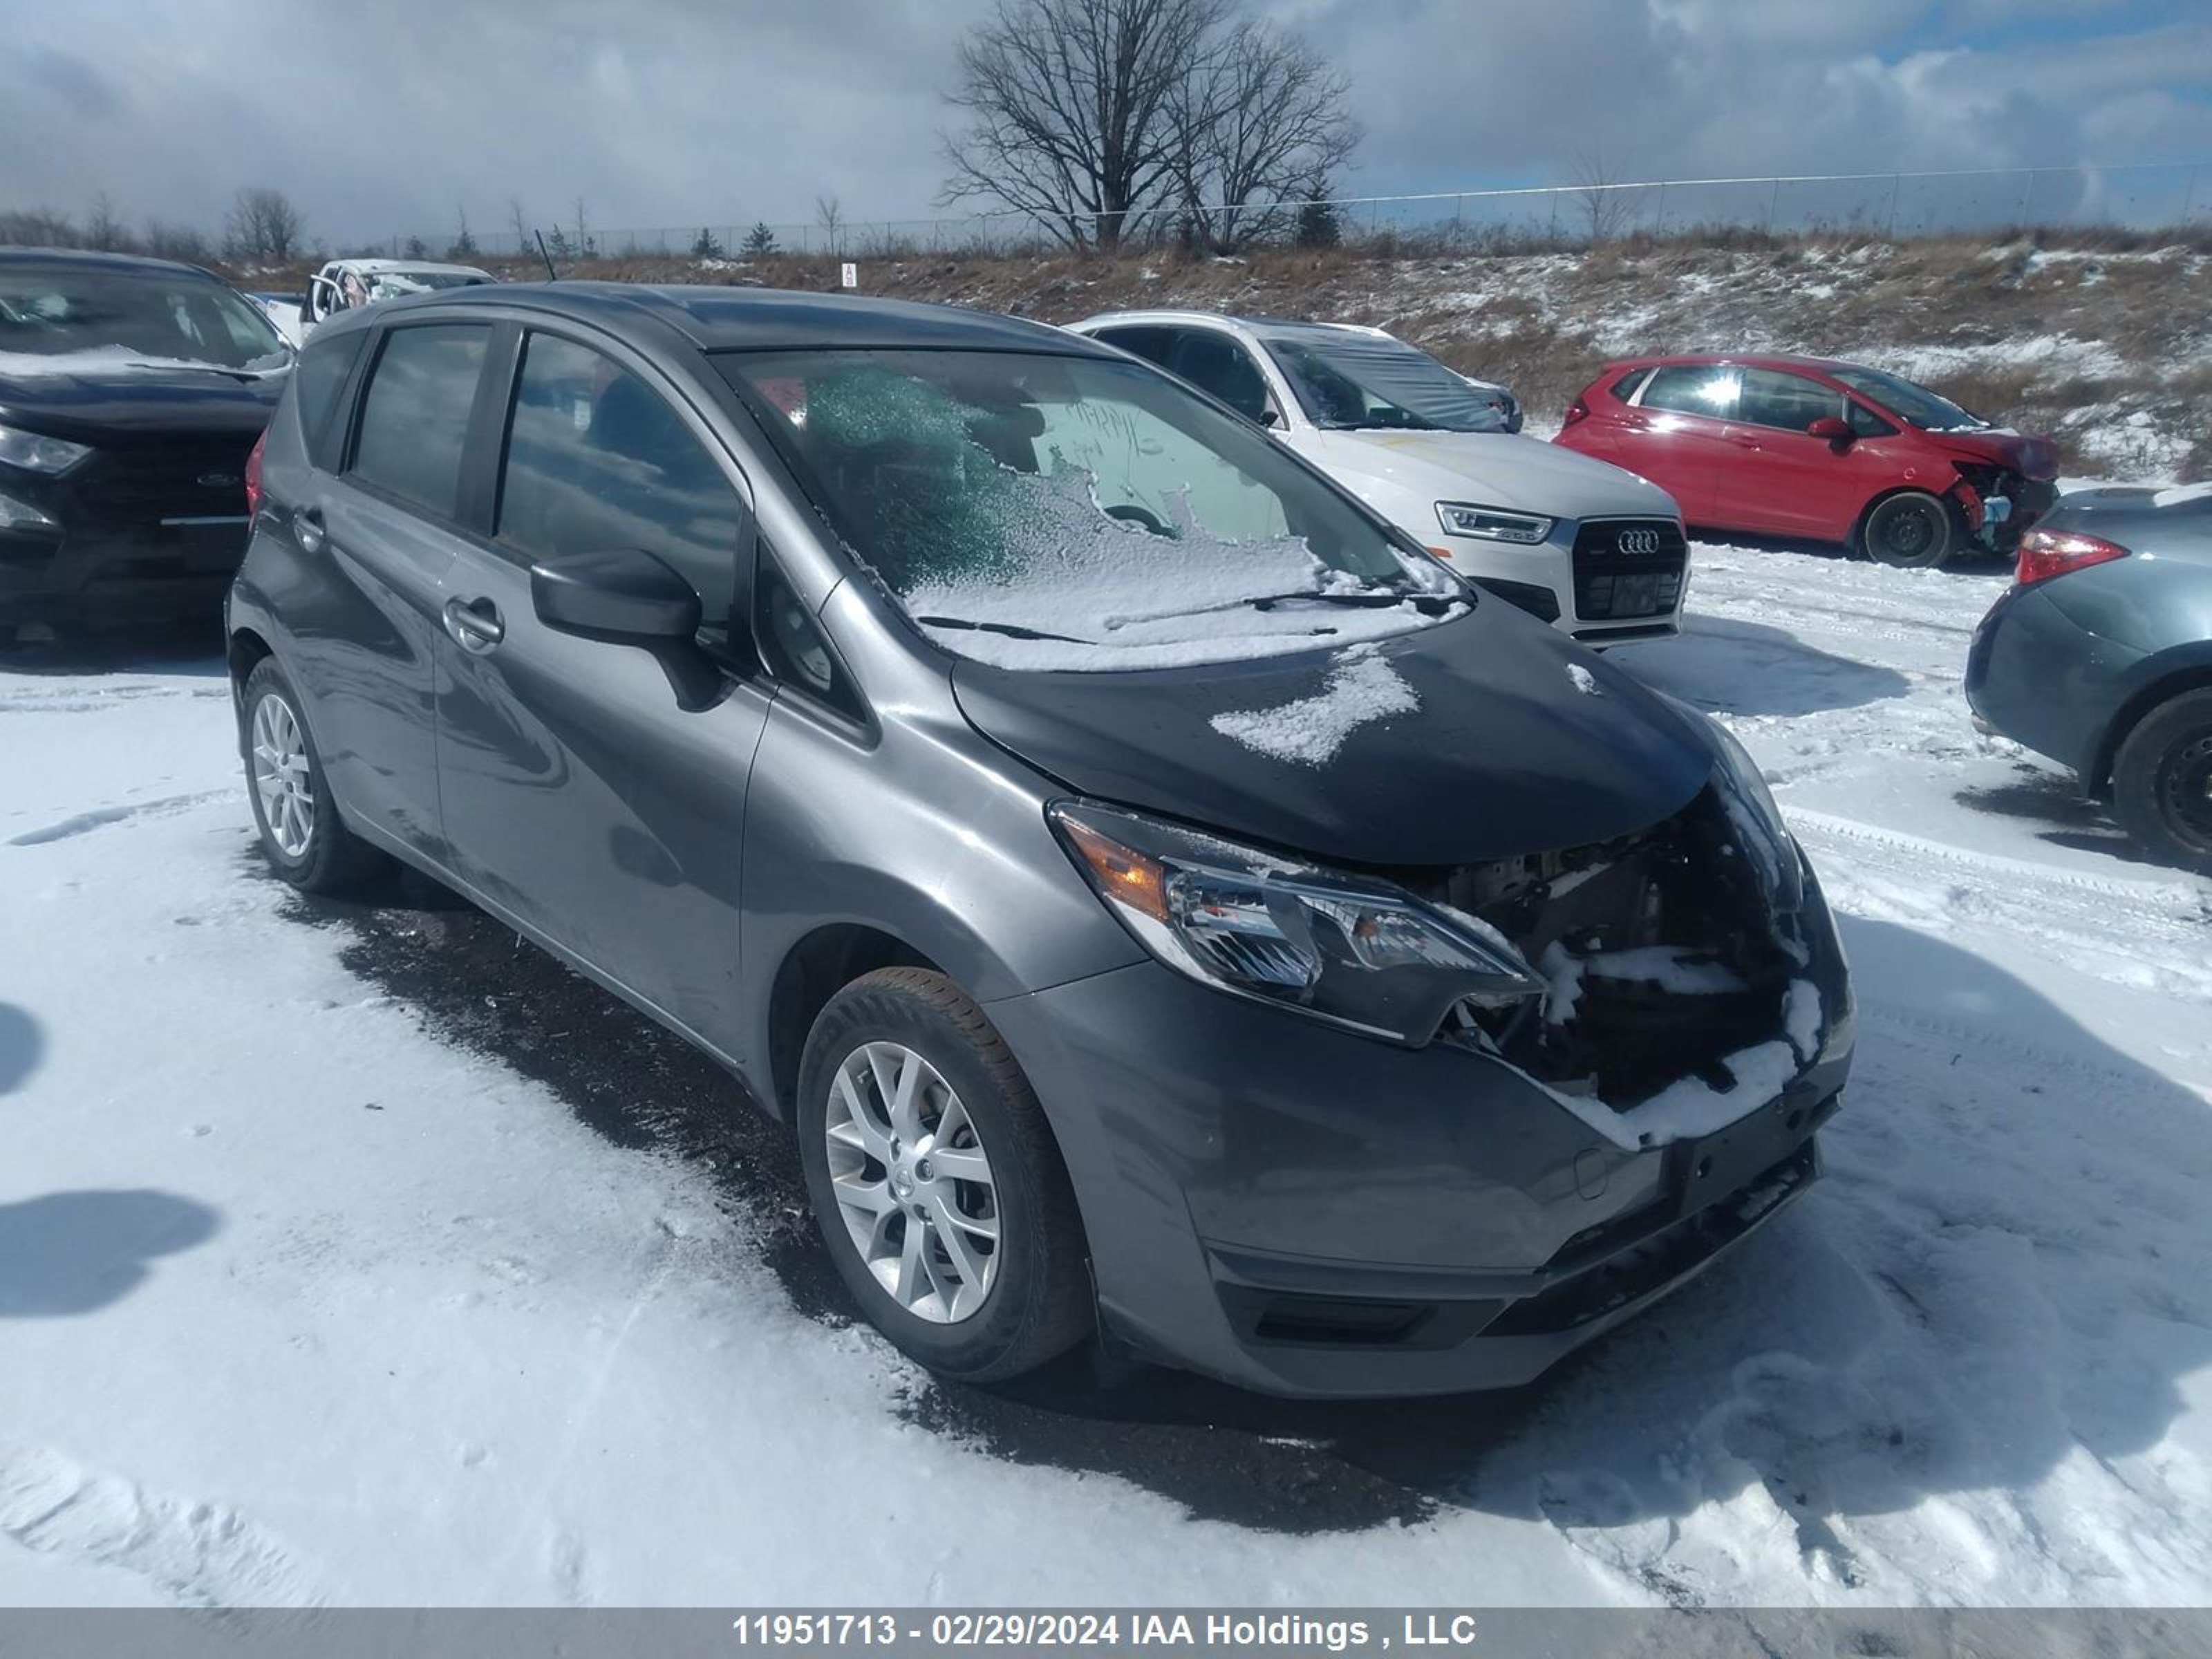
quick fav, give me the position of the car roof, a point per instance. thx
(389, 267)
(80, 259)
(1734, 360)
(718, 319)
(1258, 322)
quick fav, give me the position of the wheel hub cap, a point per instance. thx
(914, 1184)
(281, 777)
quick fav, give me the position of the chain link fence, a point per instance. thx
(1893, 204)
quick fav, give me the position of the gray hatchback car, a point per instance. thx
(2099, 657)
(1166, 903)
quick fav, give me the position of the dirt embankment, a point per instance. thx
(2106, 344)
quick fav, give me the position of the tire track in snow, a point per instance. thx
(84, 822)
(197, 1554)
(2146, 935)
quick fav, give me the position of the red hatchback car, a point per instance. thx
(1828, 451)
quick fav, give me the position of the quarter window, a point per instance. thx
(597, 459)
(415, 423)
(316, 383)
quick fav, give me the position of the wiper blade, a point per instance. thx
(1012, 630)
(203, 368)
(1366, 599)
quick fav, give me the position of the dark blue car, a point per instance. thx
(2100, 656)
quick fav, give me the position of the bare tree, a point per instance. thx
(464, 245)
(103, 228)
(263, 225)
(1259, 123)
(1603, 200)
(584, 248)
(167, 241)
(1068, 104)
(37, 227)
(831, 218)
(520, 220)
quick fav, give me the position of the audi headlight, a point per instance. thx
(36, 452)
(1357, 952)
(1493, 523)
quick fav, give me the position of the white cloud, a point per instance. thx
(379, 118)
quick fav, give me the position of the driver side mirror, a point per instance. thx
(625, 596)
(1832, 429)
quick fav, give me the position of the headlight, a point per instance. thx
(21, 515)
(37, 452)
(1758, 819)
(1356, 952)
(1493, 523)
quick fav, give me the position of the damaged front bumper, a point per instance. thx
(1308, 1213)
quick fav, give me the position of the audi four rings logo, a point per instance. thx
(1638, 541)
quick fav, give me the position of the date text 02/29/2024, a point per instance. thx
(960, 1631)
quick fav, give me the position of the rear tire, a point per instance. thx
(302, 837)
(980, 1278)
(1912, 530)
(2163, 781)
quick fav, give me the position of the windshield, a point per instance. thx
(391, 285)
(1350, 382)
(1915, 405)
(123, 318)
(1052, 512)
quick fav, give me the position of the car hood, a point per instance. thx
(1500, 750)
(109, 405)
(2031, 457)
(1490, 469)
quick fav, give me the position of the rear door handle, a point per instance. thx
(474, 624)
(307, 529)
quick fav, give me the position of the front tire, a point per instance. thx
(1912, 530)
(2162, 782)
(936, 1181)
(302, 837)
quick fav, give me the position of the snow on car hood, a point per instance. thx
(110, 393)
(1488, 469)
(1462, 742)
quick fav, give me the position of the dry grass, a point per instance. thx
(2128, 310)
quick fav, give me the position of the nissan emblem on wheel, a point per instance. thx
(1164, 770)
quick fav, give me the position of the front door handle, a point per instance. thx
(474, 624)
(307, 529)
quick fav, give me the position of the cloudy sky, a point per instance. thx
(382, 117)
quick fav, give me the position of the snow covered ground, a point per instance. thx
(319, 1284)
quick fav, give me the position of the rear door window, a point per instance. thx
(415, 420)
(1704, 389)
(598, 461)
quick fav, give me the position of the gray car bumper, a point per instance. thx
(1305, 1212)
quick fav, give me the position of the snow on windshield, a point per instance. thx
(117, 359)
(1073, 513)
(1111, 594)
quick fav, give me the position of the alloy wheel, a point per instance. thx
(913, 1182)
(282, 776)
